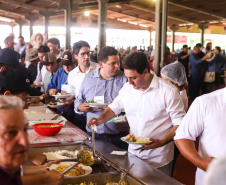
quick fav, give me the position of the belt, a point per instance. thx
(113, 135)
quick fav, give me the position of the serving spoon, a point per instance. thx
(84, 157)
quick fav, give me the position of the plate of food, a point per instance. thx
(132, 139)
(38, 84)
(94, 104)
(79, 170)
(55, 104)
(60, 95)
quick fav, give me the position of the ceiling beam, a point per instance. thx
(170, 15)
(12, 12)
(134, 17)
(27, 6)
(189, 6)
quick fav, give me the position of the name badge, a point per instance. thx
(99, 99)
(64, 88)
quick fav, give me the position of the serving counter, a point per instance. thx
(111, 167)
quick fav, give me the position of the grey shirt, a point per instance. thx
(87, 93)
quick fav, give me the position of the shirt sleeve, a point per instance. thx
(194, 61)
(192, 125)
(117, 105)
(175, 106)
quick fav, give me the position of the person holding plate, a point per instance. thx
(153, 108)
(102, 86)
(59, 83)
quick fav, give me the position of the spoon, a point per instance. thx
(84, 157)
(126, 172)
(96, 159)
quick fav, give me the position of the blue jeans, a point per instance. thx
(115, 139)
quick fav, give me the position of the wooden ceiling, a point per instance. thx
(136, 12)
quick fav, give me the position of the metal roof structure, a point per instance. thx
(137, 12)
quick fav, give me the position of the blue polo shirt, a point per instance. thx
(59, 78)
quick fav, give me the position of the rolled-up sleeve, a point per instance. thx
(175, 107)
(117, 105)
(192, 125)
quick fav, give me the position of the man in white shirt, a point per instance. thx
(205, 119)
(81, 51)
(153, 109)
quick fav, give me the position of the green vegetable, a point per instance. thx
(92, 101)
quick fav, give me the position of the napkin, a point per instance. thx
(118, 152)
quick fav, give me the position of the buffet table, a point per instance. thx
(111, 167)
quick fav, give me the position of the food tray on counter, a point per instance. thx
(100, 179)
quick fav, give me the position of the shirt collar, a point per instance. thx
(91, 66)
(96, 74)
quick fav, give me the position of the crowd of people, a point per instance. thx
(151, 106)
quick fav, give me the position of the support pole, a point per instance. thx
(173, 28)
(20, 29)
(150, 30)
(102, 23)
(67, 13)
(164, 32)
(46, 23)
(31, 26)
(160, 34)
(202, 32)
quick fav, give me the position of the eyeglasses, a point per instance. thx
(85, 53)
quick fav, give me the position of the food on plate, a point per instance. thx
(110, 183)
(32, 112)
(48, 126)
(61, 154)
(53, 103)
(76, 171)
(138, 139)
(92, 101)
(59, 93)
(131, 138)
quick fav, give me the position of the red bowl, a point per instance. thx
(47, 131)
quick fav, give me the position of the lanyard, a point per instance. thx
(96, 87)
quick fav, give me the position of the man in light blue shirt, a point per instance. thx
(103, 84)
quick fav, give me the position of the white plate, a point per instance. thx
(98, 105)
(32, 116)
(87, 169)
(62, 96)
(37, 83)
(55, 106)
(136, 143)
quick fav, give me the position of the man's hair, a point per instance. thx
(218, 48)
(199, 45)
(43, 49)
(137, 61)
(105, 52)
(21, 37)
(185, 46)
(7, 39)
(78, 45)
(10, 102)
(55, 41)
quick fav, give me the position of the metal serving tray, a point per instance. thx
(96, 168)
(100, 179)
